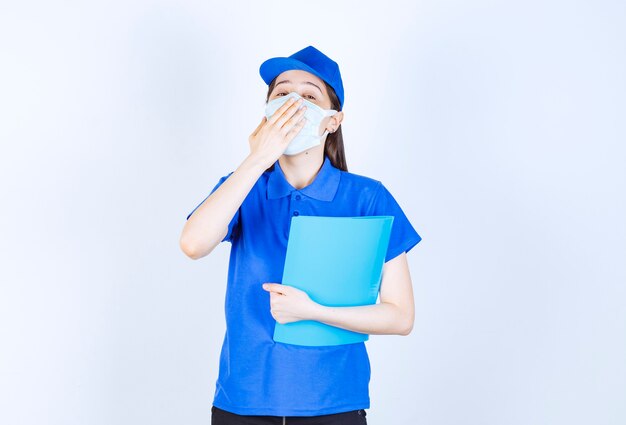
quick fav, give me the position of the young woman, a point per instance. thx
(296, 165)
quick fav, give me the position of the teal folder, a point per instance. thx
(338, 262)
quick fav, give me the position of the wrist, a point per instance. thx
(254, 163)
(317, 312)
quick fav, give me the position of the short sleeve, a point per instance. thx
(233, 226)
(403, 235)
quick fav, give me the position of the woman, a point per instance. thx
(296, 166)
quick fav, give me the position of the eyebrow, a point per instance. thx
(306, 82)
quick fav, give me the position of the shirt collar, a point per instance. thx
(323, 187)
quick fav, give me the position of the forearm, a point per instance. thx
(376, 319)
(205, 228)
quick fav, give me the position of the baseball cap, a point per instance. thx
(310, 60)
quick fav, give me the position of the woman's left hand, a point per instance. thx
(289, 304)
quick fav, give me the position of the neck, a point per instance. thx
(300, 170)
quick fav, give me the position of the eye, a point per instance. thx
(305, 96)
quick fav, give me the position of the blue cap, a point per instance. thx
(310, 60)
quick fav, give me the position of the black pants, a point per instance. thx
(352, 417)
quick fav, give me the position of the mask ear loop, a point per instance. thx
(328, 113)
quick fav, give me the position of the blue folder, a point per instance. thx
(338, 262)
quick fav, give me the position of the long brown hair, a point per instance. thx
(333, 148)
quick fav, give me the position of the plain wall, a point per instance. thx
(499, 126)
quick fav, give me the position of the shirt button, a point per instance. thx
(298, 197)
(296, 213)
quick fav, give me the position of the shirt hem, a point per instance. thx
(291, 411)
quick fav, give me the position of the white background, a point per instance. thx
(499, 126)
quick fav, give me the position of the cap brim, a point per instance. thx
(273, 67)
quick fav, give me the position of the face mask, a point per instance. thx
(308, 136)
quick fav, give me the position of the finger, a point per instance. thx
(281, 117)
(289, 114)
(274, 288)
(295, 129)
(295, 119)
(282, 109)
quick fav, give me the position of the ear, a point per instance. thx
(334, 122)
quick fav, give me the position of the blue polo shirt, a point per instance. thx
(258, 376)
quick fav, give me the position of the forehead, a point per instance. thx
(298, 77)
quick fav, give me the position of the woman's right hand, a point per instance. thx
(271, 137)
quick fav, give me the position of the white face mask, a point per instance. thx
(308, 136)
